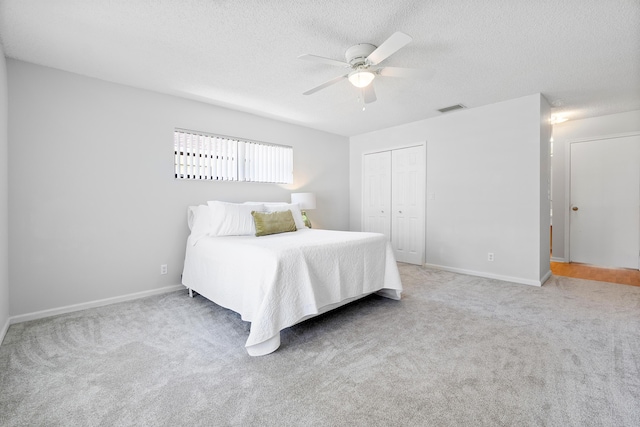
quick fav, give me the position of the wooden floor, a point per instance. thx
(583, 271)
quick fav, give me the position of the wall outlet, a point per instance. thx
(163, 269)
(490, 256)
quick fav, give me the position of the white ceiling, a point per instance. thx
(582, 55)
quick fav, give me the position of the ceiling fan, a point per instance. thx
(363, 64)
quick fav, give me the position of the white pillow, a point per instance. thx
(232, 219)
(191, 214)
(293, 207)
(266, 204)
(199, 221)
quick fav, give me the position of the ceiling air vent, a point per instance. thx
(452, 108)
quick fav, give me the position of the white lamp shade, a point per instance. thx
(304, 200)
(361, 78)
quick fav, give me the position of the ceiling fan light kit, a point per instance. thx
(362, 60)
(361, 78)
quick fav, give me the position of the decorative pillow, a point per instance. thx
(273, 222)
(232, 219)
(293, 207)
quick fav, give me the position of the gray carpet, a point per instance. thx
(457, 350)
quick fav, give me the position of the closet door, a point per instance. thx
(377, 193)
(408, 200)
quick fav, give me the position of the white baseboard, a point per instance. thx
(558, 259)
(4, 329)
(91, 304)
(491, 275)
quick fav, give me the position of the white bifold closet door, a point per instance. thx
(377, 193)
(394, 189)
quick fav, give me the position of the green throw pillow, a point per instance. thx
(273, 222)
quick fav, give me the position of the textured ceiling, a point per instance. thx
(582, 55)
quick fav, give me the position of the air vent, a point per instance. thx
(452, 108)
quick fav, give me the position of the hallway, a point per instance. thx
(583, 271)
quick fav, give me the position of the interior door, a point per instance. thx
(377, 193)
(407, 200)
(605, 202)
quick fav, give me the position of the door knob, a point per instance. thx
(575, 208)
(399, 211)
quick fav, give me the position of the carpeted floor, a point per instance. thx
(457, 350)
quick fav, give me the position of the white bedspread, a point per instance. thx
(276, 281)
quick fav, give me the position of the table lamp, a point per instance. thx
(305, 201)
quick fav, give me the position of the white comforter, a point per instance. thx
(276, 281)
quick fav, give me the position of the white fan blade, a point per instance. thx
(404, 72)
(326, 84)
(316, 58)
(390, 46)
(369, 94)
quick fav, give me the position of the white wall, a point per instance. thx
(4, 198)
(545, 188)
(486, 169)
(93, 206)
(563, 134)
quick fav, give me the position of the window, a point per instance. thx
(219, 158)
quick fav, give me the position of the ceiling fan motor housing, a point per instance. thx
(357, 55)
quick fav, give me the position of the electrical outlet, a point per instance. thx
(490, 256)
(163, 269)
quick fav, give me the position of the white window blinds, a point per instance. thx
(218, 158)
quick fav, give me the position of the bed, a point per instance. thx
(277, 280)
